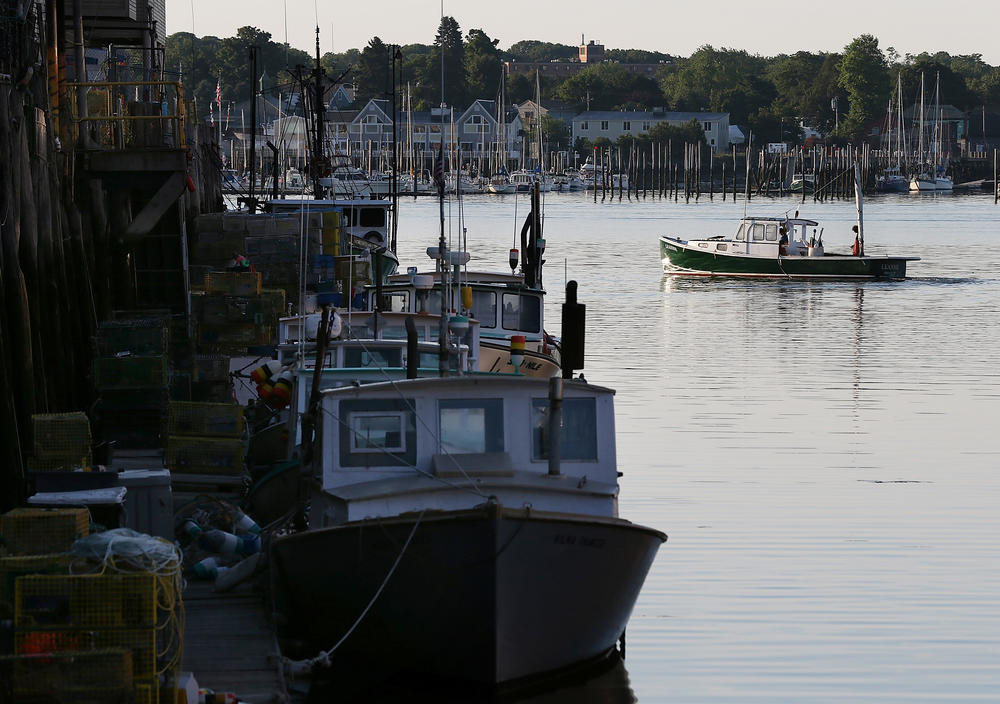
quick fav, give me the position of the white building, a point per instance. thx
(594, 124)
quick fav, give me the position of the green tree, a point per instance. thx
(864, 75)
(448, 44)
(538, 52)
(372, 72)
(555, 132)
(608, 86)
(482, 64)
(721, 80)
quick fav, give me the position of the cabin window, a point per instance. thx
(520, 312)
(429, 301)
(484, 308)
(372, 217)
(373, 357)
(471, 425)
(377, 432)
(396, 302)
(578, 434)
(758, 232)
(771, 233)
(741, 233)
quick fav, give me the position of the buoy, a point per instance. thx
(282, 392)
(263, 373)
(516, 352)
(467, 297)
(244, 523)
(513, 259)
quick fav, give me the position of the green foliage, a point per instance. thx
(636, 56)
(536, 51)
(482, 64)
(456, 86)
(864, 75)
(608, 87)
(373, 71)
(723, 80)
(555, 132)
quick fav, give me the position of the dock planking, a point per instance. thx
(229, 643)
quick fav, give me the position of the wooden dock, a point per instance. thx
(229, 643)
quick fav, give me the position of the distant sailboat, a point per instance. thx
(933, 177)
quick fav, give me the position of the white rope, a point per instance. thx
(323, 658)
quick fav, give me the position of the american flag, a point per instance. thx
(218, 92)
(439, 171)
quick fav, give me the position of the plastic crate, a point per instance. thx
(130, 372)
(236, 283)
(86, 601)
(204, 455)
(43, 531)
(103, 675)
(206, 419)
(61, 435)
(27, 565)
(144, 337)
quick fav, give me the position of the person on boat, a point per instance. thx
(783, 242)
(857, 249)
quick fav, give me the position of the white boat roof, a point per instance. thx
(471, 277)
(793, 221)
(450, 382)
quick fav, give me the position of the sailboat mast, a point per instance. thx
(920, 149)
(859, 203)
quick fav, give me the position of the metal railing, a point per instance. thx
(130, 114)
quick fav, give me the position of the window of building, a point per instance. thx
(604, 124)
(627, 126)
(584, 126)
(471, 425)
(645, 127)
(578, 434)
(708, 126)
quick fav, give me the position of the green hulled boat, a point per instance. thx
(776, 247)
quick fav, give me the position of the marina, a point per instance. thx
(285, 432)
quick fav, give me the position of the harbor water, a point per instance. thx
(823, 455)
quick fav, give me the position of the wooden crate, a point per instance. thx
(42, 531)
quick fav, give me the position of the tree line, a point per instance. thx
(837, 93)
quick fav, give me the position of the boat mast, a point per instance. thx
(318, 124)
(920, 149)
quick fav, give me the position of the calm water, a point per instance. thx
(824, 456)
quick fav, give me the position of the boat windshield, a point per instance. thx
(741, 234)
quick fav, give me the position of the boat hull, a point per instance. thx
(495, 357)
(679, 258)
(487, 595)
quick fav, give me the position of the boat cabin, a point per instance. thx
(456, 442)
(761, 236)
(501, 303)
(364, 218)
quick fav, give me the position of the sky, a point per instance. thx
(765, 27)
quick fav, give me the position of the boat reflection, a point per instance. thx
(603, 682)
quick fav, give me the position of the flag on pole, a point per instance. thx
(218, 92)
(439, 171)
(211, 114)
